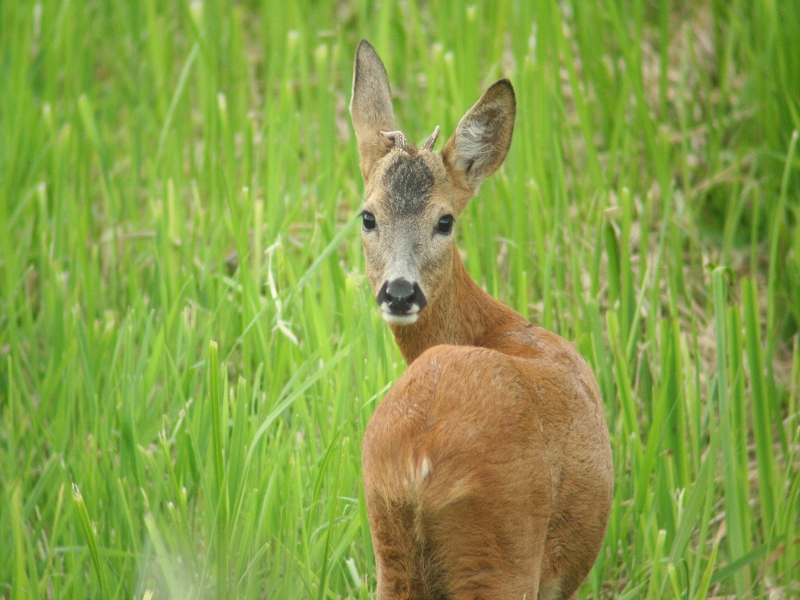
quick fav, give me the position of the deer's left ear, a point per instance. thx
(371, 107)
(482, 139)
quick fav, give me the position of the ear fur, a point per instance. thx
(371, 107)
(482, 139)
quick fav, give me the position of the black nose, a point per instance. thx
(400, 294)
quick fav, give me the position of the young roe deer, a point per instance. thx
(487, 467)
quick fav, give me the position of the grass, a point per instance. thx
(189, 351)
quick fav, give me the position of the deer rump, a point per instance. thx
(480, 476)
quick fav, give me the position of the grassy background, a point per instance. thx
(189, 351)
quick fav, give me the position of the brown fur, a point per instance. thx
(487, 467)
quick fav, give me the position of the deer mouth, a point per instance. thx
(400, 319)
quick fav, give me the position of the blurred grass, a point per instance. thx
(187, 337)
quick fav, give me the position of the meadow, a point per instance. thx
(189, 349)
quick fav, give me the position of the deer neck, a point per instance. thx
(461, 314)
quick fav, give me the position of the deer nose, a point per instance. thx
(400, 295)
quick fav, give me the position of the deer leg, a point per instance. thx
(486, 552)
(397, 550)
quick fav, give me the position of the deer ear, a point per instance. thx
(481, 140)
(371, 107)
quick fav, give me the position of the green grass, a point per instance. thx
(179, 421)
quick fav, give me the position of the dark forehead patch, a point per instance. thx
(409, 183)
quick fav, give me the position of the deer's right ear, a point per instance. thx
(371, 107)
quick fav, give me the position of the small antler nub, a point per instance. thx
(397, 137)
(428, 145)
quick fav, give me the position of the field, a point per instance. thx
(189, 349)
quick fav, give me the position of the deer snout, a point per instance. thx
(400, 301)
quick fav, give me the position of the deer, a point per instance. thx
(487, 467)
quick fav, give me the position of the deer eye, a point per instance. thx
(368, 221)
(445, 224)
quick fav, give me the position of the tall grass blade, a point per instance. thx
(90, 538)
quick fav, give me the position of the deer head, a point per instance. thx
(413, 197)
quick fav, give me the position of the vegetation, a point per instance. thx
(189, 351)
